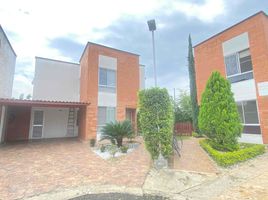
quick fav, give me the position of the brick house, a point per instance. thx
(76, 100)
(240, 53)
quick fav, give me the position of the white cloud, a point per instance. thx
(205, 12)
(34, 23)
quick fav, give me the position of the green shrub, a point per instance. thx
(117, 131)
(218, 118)
(102, 148)
(112, 149)
(156, 120)
(124, 149)
(225, 159)
(92, 142)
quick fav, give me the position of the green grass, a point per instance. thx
(226, 159)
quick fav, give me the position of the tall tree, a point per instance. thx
(193, 93)
(219, 119)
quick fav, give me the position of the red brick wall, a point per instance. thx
(127, 85)
(18, 123)
(209, 57)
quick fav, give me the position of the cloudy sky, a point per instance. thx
(61, 29)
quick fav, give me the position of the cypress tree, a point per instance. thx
(219, 119)
(193, 93)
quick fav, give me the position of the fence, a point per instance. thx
(183, 128)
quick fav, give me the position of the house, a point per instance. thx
(76, 100)
(240, 53)
(110, 81)
(7, 65)
(7, 69)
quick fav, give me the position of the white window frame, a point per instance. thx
(107, 86)
(32, 123)
(239, 67)
(244, 124)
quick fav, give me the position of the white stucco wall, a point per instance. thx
(244, 90)
(7, 66)
(235, 44)
(55, 122)
(56, 80)
(251, 138)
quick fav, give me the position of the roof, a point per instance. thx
(258, 13)
(37, 57)
(7, 40)
(92, 43)
(41, 103)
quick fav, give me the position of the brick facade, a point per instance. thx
(127, 85)
(209, 57)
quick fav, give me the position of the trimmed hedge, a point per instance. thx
(230, 158)
(156, 120)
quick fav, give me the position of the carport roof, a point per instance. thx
(41, 103)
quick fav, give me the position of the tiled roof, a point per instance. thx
(45, 103)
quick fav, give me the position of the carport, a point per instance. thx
(37, 119)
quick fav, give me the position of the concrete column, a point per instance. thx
(2, 122)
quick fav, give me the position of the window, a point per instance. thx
(106, 115)
(249, 116)
(248, 112)
(107, 78)
(245, 61)
(238, 63)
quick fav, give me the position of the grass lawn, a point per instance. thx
(226, 159)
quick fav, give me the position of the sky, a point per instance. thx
(60, 30)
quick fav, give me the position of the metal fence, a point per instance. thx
(183, 128)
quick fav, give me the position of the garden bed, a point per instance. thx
(107, 151)
(226, 159)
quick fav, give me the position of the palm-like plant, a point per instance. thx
(117, 131)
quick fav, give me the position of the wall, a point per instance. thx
(17, 125)
(127, 84)
(56, 80)
(55, 122)
(209, 57)
(7, 66)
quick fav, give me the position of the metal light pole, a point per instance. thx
(152, 28)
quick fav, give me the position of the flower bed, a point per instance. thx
(107, 151)
(225, 159)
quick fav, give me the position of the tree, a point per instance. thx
(193, 93)
(117, 131)
(28, 96)
(183, 108)
(219, 119)
(156, 119)
(21, 96)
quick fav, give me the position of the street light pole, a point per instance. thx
(152, 28)
(155, 77)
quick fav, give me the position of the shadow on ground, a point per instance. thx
(118, 196)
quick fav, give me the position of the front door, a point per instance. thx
(131, 116)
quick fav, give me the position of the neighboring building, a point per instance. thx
(71, 100)
(7, 65)
(56, 80)
(240, 53)
(110, 81)
(7, 69)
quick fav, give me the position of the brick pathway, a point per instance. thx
(193, 158)
(33, 168)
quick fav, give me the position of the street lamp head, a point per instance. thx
(151, 25)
